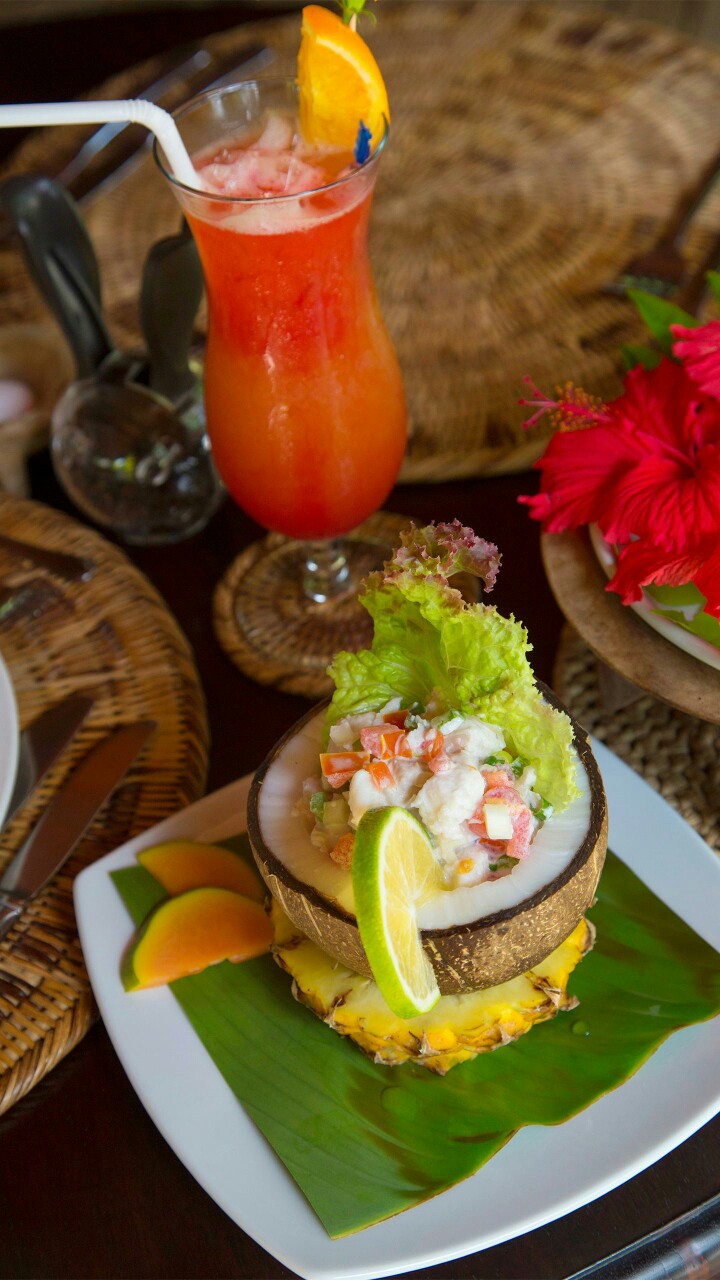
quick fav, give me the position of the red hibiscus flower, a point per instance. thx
(646, 470)
(699, 350)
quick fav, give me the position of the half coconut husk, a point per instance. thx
(469, 955)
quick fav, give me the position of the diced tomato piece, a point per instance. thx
(440, 764)
(338, 767)
(498, 847)
(381, 774)
(433, 744)
(384, 743)
(397, 718)
(478, 828)
(519, 845)
(400, 746)
(506, 795)
(498, 778)
(342, 762)
(339, 780)
(371, 738)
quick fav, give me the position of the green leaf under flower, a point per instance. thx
(634, 354)
(659, 315)
(713, 279)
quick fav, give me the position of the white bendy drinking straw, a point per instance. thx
(129, 110)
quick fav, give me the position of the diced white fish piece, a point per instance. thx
(416, 737)
(448, 800)
(474, 742)
(450, 725)
(364, 795)
(347, 731)
(410, 776)
(469, 866)
(525, 787)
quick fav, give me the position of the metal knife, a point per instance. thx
(68, 817)
(181, 65)
(42, 742)
(248, 61)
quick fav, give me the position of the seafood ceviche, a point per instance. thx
(477, 801)
(442, 717)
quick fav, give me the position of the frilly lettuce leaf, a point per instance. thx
(429, 642)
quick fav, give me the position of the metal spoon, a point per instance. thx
(62, 262)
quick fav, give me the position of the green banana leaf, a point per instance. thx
(365, 1141)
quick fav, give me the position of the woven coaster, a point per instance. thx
(535, 149)
(113, 637)
(677, 754)
(273, 637)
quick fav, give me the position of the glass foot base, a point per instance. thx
(266, 624)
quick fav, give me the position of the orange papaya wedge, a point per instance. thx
(186, 934)
(180, 865)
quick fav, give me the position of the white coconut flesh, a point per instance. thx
(284, 832)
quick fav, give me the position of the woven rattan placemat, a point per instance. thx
(535, 149)
(679, 755)
(112, 636)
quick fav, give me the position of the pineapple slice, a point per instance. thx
(455, 1030)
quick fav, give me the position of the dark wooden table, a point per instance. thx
(89, 1188)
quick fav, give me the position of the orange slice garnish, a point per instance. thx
(340, 83)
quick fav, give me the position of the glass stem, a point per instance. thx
(326, 573)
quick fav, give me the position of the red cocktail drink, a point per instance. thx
(304, 396)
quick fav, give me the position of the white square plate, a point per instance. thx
(534, 1179)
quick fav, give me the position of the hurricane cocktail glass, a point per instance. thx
(304, 396)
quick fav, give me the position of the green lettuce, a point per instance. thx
(430, 643)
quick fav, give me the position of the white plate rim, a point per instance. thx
(9, 738)
(645, 610)
(205, 1125)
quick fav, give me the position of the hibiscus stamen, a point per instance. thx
(572, 410)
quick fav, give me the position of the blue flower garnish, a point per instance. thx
(361, 150)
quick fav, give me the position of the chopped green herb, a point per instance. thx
(543, 811)
(317, 805)
(503, 861)
(518, 766)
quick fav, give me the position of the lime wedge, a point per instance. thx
(394, 871)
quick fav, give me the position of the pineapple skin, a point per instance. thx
(459, 1026)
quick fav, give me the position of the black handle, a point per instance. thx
(61, 260)
(172, 288)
